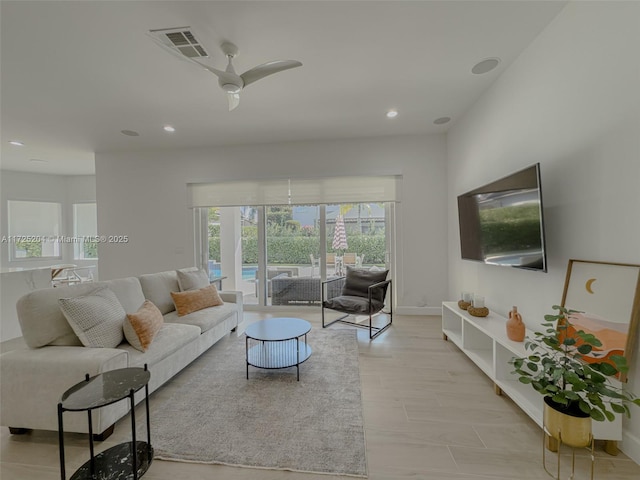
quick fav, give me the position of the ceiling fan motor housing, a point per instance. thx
(230, 87)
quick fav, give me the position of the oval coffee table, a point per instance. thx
(276, 343)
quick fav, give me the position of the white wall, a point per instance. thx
(571, 101)
(143, 195)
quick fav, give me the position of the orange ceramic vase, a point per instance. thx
(515, 326)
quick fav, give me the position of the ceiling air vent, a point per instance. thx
(180, 40)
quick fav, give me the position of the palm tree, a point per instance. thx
(347, 207)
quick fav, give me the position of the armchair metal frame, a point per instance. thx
(373, 330)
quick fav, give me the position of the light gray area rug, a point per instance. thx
(271, 420)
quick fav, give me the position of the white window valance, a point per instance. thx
(295, 191)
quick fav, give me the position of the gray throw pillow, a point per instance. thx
(192, 280)
(358, 281)
(95, 318)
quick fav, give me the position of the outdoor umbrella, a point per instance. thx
(339, 235)
(339, 242)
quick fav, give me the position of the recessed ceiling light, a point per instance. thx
(16, 143)
(392, 114)
(169, 128)
(130, 133)
(37, 160)
(485, 65)
(442, 120)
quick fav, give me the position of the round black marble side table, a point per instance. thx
(126, 460)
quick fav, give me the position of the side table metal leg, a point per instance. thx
(246, 348)
(146, 401)
(92, 465)
(298, 358)
(134, 443)
(61, 442)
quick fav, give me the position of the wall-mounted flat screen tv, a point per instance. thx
(501, 223)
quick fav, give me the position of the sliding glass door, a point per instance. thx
(275, 256)
(292, 248)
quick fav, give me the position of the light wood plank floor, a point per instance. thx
(429, 414)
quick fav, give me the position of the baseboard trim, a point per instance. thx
(418, 310)
(631, 446)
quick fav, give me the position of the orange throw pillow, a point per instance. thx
(194, 300)
(141, 327)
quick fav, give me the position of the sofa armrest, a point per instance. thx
(231, 296)
(33, 380)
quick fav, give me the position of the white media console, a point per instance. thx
(484, 340)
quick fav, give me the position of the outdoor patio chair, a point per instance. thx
(315, 263)
(349, 259)
(363, 293)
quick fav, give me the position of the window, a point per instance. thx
(85, 228)
(275, 240)
(34, 229)
(213, 235)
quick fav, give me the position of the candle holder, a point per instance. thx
(478, 301)
(465, 302)
(478, 311)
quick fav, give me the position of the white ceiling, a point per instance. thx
(74, 74)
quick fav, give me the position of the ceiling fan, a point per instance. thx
(182, 42)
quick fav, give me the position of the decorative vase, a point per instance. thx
(515, 326)
(569, 424)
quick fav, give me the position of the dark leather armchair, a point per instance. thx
(363, 293)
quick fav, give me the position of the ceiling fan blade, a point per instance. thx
(266, 69)
(215, 71)
(234, 100)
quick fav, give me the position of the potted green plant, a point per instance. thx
(575, 391)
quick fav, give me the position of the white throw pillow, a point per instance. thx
(95, 318)
(192, 280)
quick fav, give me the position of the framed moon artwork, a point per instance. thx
(607, 296)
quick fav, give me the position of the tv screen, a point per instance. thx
(501, 223)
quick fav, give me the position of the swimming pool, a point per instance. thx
(248, 272)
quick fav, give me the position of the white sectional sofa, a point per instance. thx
(33, 377)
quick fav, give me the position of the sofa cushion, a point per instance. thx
(354, 304)
(95, 318)
(169, 339)
(204, 319)
(192, 280)
(42, 322)
(157, 287)
(194, 300)
(140, 327)
(128, 291)
(358, 280)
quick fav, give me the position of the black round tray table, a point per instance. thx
(126, 460)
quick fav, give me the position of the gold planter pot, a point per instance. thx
(571, 430)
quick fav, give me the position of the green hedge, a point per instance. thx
(512, 228)
(296, 250)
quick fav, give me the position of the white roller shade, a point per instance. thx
(296, 191)
(85, 219)
(34, 218)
